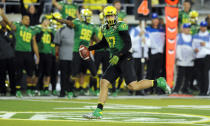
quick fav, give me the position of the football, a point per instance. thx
(84, 52)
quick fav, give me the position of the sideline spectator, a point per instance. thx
(140, 51)
(7, 59)
(184, 14)
(201, 46)
(157, 37)
(64, 40)
(184, 56)
(25, 43)
(33, 12)
(121, 14)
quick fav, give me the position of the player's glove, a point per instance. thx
(114, 60)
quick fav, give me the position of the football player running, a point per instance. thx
(117, 39)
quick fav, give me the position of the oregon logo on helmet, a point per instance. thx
(110, 11)
(86, 15)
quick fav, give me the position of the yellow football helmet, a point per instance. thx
(193, 17)
(55, 23)
(110, 11)
(101, 17)
(86, 15)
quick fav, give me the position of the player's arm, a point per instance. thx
(4, 17)
(57, 41)
(57, 5)
(127, 42)
(78, 15)
(64, 21)
(41, 7)
(102, 44)
(22, 8)
(94, 39)
(35, 48)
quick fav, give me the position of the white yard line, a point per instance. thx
(110, 97)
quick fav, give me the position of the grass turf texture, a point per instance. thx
(117, 112)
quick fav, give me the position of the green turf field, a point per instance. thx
(117, 112)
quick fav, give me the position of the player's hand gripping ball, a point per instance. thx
(84, 52)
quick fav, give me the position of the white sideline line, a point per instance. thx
(110, 97)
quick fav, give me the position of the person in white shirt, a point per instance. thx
(201, 46)
(184, 56)
(156, 35)
(139, 50)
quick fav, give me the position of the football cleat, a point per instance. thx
(70, 95)
(19, 94)
(161, 83)
(97, 114)
(29, 93)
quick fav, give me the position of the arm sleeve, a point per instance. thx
(57, 39)
(23, 9)
(41, 7)
(127, 42)
(102, 44)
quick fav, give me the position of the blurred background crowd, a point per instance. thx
(23, 72)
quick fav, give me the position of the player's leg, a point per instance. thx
(128, 71)
(53, 75)
(19, 61)
(64, 77)
(70, 86)
(11, 72)
(180, 77)
(187, 76)
(29, 65)
(93, 78)
(47, 72)
(109, 77)
(40, 76)
(3, 76)
(77, 70)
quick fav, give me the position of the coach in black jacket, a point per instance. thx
(7, 59)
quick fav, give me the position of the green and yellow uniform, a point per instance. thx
(113, 38)
(184, 17)
(194, 29)
(44, 39)
(68, 10)
(121, 15)
(24, 36)
(99, 35)
(83, 34)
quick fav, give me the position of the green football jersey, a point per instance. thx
(184, 17)
(68, 10)
(83, 34)
(121, 16)
(24, 36)
(194, 29)
(113, 38)
(99, 35)
(44, 39)
(53, 44)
